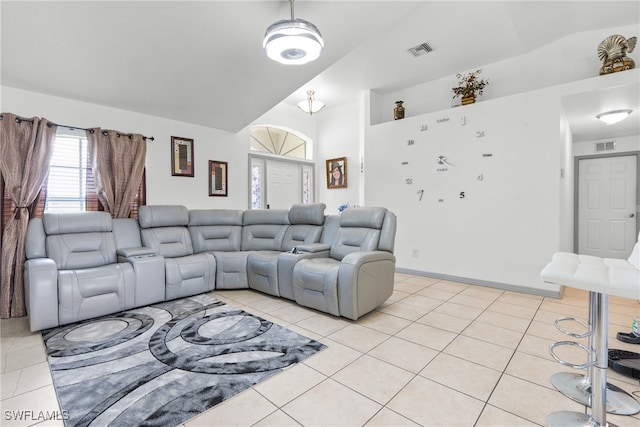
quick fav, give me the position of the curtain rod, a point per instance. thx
(49, 124)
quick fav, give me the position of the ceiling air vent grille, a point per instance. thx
(421, 49)
(605, 146)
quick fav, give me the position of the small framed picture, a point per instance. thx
(218, 178)
(181, 156)
(337, 173)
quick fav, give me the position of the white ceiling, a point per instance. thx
(202, 62)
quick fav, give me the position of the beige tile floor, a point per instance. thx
(437, 353)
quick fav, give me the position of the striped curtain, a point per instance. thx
(26, 146)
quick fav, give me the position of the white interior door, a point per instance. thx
(283, 184)
(607, 206)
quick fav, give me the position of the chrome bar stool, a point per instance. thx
(577, 386)
(601, 277)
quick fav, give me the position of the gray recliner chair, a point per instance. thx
(270, 271)
(164, 229)
(358, 273)
(71, 272)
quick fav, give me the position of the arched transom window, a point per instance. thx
(274, 140)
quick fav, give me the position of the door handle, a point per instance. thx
(631, 215)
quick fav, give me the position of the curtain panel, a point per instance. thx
(117, 160)
(26, 146)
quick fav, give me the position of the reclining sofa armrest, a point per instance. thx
(41, 293)
(365, 280)
(149, 271)
(313, 248)
(126, 253)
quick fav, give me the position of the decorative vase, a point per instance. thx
(398, 111)
(468, 99)
(612, 51)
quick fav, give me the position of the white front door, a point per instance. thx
(607, 206)
(283, 184)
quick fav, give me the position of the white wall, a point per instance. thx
(209, 144)
(506, 227)
(566, 186)
(623, 144)
(339, 133)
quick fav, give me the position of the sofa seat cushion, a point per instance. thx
(262, 271)
(93, 292)
(315, 284)
(189, 275)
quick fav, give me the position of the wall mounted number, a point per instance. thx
(410, 142)
(421, 193)
(409, 181)
(462, 194)
(423, 128)
(480, 134)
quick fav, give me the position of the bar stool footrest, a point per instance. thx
(588, 333)
(591, 362)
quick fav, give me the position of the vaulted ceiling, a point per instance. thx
(202, 62)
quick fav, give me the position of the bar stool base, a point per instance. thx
(572, 419)
(577, 388)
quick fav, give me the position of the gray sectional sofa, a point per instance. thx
(84, 265)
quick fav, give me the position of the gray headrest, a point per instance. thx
(76, 222)
(266, 216)
(363, 217)
(312, 214)
(215, 217)
(163, 216)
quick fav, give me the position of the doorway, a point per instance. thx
(606, 205)
(279, 183)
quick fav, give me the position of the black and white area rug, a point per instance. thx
(164, 364)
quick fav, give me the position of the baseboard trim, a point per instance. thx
(497, 285)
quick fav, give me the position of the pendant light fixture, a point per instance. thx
(292, 41)
(613, 117)
(311, 105)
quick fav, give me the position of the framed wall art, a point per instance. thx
(181, 156)
(337, 172)
(218, 178)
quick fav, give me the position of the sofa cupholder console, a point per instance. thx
(84, 265)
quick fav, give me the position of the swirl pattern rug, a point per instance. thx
(164, 364)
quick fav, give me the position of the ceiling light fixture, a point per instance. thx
(613, 117)
(311, 105)
(292, 41)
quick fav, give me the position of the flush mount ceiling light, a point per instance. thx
(613, 117)
(292, 41)
(311, 105)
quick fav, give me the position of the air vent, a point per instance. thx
(605, 146)
(421, 49)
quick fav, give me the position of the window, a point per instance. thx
(67, 182)
(69, 186)
(280, 141)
